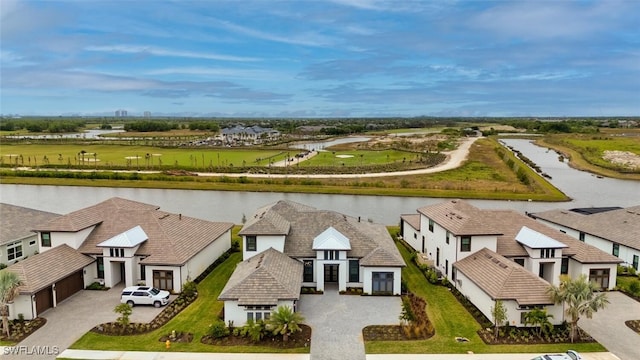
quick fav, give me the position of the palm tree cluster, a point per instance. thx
(9, 285)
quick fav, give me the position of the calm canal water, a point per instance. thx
(585, 190)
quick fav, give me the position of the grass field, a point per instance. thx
(451, 319)
(358, 158)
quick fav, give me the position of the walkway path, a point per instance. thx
(608, 328)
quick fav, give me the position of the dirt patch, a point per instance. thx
(623, 158)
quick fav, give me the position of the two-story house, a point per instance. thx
(333, 251)
(503, 255)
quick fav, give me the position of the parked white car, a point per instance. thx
(144, 295)
(569, 355)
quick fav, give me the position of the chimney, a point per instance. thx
(358, 218)
(179, 216)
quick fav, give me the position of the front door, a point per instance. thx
(331, 273)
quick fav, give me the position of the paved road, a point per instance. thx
(607, 326)
(337, 322)
(76, 315)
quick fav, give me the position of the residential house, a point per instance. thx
(127, 242)
(17, 241)
(335, 251)
(613, 230)
(477, 250)
(251, 134)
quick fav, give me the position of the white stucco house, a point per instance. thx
(123, 241)
(493, 255)
(334, 251)
(17, 241)
(612, 230)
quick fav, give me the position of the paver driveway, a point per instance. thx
(337, 321)
(73, 317)
(607, 326)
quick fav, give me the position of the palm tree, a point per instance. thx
(579, 297)
(285, 321)
(539, 319)
(9, 284)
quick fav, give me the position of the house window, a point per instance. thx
(600, 277)
(143, 272)
(564, 266)
(14, 250)
(354, 271)
(562, 231)
(331, 254)
(100, 267)
(307, 275)
(252, 243)
(437, 256)
(249, 316)
(581, 236)
(45, 239)
(635, 262)
(465, 243)
(519, 262)
(616, 250)
(447, 238)
(431, 225)
(116, 252)
(446, 267)
(32, 243)
(415, 235)
(547, 253)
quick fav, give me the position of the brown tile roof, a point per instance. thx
(503, 279)
(412, 219)
(16, 222)
(42, 270)
(458, 217)
(621, 226)
(265, 222)
(306, 223)
(173, 238)
(264, 279)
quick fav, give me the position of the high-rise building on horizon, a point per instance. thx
(147, 114)
(121, 113)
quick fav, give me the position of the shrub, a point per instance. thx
(125, 311)
(189, 289)
(218, 330)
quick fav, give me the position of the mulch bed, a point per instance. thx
(181, 337)
(633, 325)
(524, 337)
(21, 329)
(390, 332)
(296, 340)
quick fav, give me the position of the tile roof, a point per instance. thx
(458, 217)
(264, 279)
(16, 222)
(412, 219)
(306, 223)
(503, 279)
(621, 226)
(173, 238)
(41, 270)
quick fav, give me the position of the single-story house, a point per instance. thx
(613, 230)
(448, 233)
(334, 248)
(17, 241)
(127, 242)
(261, 284)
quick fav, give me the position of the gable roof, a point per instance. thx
(16, 222)
(128, 239)
(42, 270)
(412, 219)
(173, 239)
(331, 239)
(536, 240)
(617, 225)
(306, 223)
(264, 279)
(503, 279)
(458, 217)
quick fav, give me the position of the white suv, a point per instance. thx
(137, 295)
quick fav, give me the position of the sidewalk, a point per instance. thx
(140, 355)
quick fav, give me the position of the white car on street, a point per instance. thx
(569, 355)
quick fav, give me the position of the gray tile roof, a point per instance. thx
(42, 270)
(173, 238)
(264, 279)
(458, 217)
(306, 223)
(503, 279)
(16, 222)
(412, 219)
(621, 226)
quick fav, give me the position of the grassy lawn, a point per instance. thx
(194, 319)
(358, 158)
(451, 319)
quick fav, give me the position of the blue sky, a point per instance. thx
(339, 58)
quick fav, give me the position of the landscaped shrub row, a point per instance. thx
(527, 335)
(21, 328)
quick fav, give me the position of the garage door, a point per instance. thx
(69, 286)
(44, 300)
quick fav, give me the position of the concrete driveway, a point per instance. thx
(607, 326)
(76, 315)
(337, 322)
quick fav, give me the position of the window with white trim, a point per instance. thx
(14, 251)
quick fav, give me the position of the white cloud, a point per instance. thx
(152, 50)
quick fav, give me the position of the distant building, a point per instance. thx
(121, 113)
(147, 114)
(253, 134)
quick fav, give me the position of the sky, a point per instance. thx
(308, 58)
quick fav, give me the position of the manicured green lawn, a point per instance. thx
(358, 157)
(450, 320)
(194, 319)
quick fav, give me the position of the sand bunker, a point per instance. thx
(344, 156)
(624, 158)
